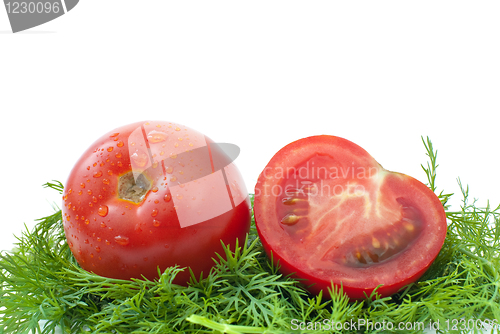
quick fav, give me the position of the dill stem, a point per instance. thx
(488, 263)
(491, 268)
(224, 328)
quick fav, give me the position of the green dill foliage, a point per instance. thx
(244, 293)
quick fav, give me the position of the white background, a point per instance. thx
(259, 74)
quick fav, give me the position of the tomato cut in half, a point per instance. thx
(328, 213)
(152, 195)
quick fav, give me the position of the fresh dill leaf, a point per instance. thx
(56, 185)
(245, 293)
(430, 171)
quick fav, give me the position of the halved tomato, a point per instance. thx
(329, 213)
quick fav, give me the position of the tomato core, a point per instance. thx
(132, 189)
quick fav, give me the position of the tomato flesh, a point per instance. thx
(146, 196)
(331, 214)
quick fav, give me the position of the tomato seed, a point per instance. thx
(290, 219)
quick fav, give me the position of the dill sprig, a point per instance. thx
(43, 288)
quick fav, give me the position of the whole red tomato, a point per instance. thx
(329, 213)
(151, 195)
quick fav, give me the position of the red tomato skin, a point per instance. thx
(120, 239)
(281, 248)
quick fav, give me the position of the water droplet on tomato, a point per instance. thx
(155, 136)
(82, 185)
(98, 249)
(121, 240)
(179, 196)
(156, 223)
(157, 201)
(119, 144)
(155, 189)
(103, 224)
(102, 211)
(173, 156)
(114, 134)
(177, 128)
(118, 155)
(173, 178)
(169, 169)
(105, 181)
(140, 158)
(110, 149)
(167, 198)
(87, 221)
(97, 174)
(110, 172)
(154, 213)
